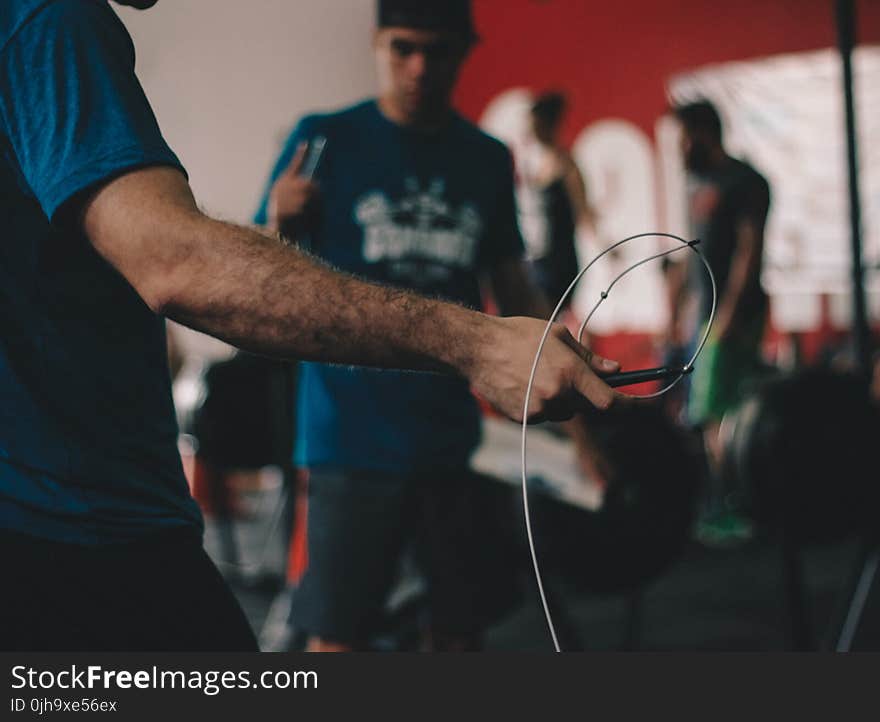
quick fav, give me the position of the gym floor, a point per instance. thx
(710, 600)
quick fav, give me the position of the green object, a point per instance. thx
(721, 372)
(724, 530)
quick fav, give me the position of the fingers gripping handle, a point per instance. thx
(662, 373)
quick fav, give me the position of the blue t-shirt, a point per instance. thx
(88, 437)
(429, 212)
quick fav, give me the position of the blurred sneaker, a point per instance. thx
(724, 530)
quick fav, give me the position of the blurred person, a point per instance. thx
(409, 193)
(555, 202)
(728, 202)
(101, 541)
(555, 213)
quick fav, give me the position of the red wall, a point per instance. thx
(613, 58)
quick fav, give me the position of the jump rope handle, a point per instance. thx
(662, 373)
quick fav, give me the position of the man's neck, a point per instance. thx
(428, 123)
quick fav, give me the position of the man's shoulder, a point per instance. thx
(747, 174)
(746, 186)
(339, 120)
(16, 14)
(480, 141)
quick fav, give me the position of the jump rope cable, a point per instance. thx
(602, 296)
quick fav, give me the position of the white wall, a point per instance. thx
(228, 78)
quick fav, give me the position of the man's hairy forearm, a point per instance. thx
(259, 293)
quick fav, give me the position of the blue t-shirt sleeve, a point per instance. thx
(503, 238)
(70, 104)
(304, 130)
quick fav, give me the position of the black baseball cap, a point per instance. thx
(448, 15)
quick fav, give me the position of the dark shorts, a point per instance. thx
(159, 594)
(360, 524)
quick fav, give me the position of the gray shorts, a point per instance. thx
(359, 525)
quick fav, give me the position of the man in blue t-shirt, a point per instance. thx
(100, 539)
(408, 193)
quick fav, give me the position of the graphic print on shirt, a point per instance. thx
(422, 237)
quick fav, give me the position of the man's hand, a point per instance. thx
(565, 381)
(292, 196)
